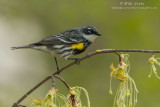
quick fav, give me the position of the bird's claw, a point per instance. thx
(77, 61)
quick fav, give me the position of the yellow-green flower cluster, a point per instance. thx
(54, 99)
(126, 95)
(74, 97)
(119, 72)
(154, 61)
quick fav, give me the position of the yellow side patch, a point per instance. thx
(78, 46)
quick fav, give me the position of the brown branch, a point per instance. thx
(72, 97)
(69, 88)
(81, 59)
(53, 82)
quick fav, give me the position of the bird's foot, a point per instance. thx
(77, 61)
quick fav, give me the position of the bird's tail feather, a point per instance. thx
(21, 47)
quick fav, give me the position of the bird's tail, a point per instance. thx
(22, 47)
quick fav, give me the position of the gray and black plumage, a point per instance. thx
(68, 43)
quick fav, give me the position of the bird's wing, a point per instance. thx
(67, 37)
(71, 36)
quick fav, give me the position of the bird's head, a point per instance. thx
(90, 33)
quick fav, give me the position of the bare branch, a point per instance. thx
(69, 88)
(81, 59)
(53, 82)
(30, 91)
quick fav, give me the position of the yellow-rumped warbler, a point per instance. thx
(65, 44)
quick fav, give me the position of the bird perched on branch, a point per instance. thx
(66, 44)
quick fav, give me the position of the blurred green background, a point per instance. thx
(27, 21)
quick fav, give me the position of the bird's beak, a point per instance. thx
(98, 34)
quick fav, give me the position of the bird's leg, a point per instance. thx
(76, 60)
(56, 63)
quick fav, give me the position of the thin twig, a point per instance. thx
(69, 88)
(30, 91)
(72, 97)
(53, 81)
(120, 58)
(81, 59)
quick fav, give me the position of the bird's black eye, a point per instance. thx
(88, 31)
